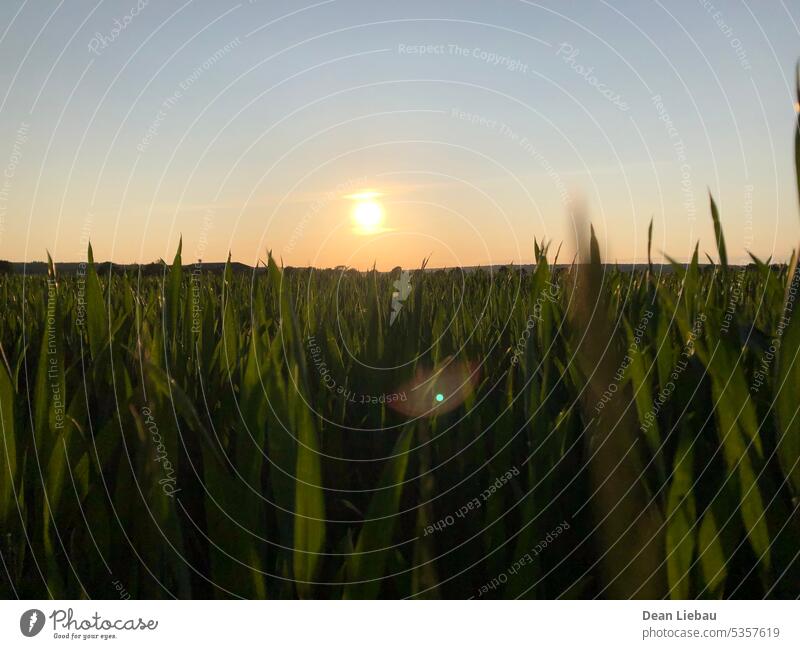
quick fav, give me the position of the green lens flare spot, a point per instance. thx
(440, 397)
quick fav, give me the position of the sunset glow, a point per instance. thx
(367, 216)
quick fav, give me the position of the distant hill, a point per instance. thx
(103, 268)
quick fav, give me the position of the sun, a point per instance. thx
(368, 216)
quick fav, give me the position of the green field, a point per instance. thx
(229, 437)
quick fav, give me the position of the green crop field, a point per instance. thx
(567, 431)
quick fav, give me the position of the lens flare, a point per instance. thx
(426, 391)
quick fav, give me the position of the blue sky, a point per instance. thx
(478, 125)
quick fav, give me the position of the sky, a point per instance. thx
(358, 132)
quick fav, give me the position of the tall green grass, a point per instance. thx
(176, 436)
